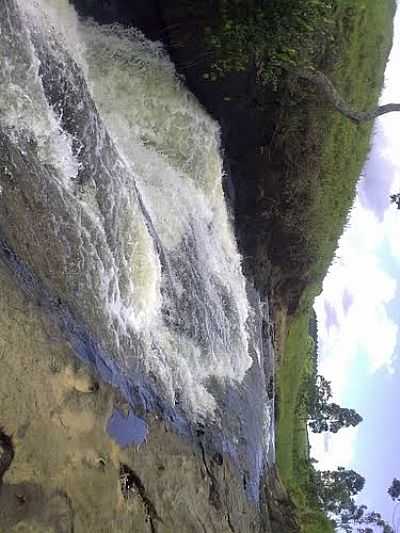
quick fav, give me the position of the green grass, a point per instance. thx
(291, 374)
(308, 159)
(321, 152)
(322, 156)
(359, 76)
(292, 439)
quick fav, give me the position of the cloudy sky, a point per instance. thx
(359, 316)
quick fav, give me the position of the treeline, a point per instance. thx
(334, 491)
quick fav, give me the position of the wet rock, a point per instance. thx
(281, 510)
(67, 472)
(6, 453)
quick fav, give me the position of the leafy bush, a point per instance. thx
(269, 35)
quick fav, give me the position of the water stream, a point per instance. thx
(113, 218)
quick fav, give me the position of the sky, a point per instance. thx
(359, 316)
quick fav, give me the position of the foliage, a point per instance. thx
(309, 206)
(269, 35)
(322, 414)
(395, 199)
(317, 394)
(320, 157)
(360, 519)
(331, 417)
(394, 490)
(316, 154)
(292, 440)
(336, 488)
(315, 493)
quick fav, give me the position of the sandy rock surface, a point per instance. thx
(68, 475)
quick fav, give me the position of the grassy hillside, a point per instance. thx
(321, 152)
(323, 155)
(293, 453)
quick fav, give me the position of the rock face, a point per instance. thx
(68, 474)
(60, 471)
(281, 510)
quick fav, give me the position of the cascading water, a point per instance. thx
(130, 241)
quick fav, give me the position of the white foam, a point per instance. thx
(170, 152)
(27, 113)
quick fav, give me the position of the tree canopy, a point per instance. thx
(357, 518)
(394, 490)
(325, 415)
(395, 199)
(336, 488)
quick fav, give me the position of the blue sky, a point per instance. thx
(359, 316)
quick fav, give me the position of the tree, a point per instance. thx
(359, 519)
(348, 517)
(336, 489)
(317, 393)
(287, 37)
(395, 199)
(340, 417)
(332, 417)
(326, 416)
(323, 391)
(394, 490)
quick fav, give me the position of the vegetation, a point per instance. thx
(296, 367)
(317, 156)
(395, 199)
(336, 488)
(308, 208)
(321, 172)
(394, 490)
(269, 35)
(324, 415)
(360, 519)
(303, 398)
(319, 153)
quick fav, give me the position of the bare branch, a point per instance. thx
(326, 87)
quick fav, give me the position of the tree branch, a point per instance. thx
(324, 84)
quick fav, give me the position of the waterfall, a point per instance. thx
(111, 194)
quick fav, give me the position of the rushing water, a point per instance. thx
(113, 216)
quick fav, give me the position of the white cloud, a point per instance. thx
(363, 334)
(392, 230)
(334, 450)
(358, 287)
(364, 331)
